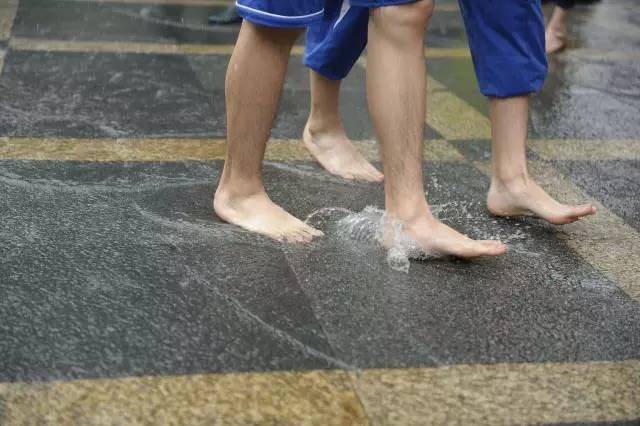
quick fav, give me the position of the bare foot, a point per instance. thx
(257, 213)
(530, 200)
(436, 238)
(337, 154)
(555, 41)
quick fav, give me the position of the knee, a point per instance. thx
(405, 17)
(420, 13)
(279, 39)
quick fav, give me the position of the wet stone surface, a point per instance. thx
(110, 95)
(92, 21)
(588, 98)
(104, 95)
(110, 270)
(106, 264)
(615, 183)
(174, 23)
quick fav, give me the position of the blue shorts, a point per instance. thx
(298, 13)
(506, 38)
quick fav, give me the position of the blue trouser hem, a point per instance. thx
(266, 19)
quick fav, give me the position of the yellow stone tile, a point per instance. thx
(452, 117)
(111, 149)
(572, 149)
(605, 240)
(501, 394)
(149, 149)
(34, 44)
(8, 10)
(278, 398)
(442, 52)
(444, 7)
(441, 150)
(118, 46)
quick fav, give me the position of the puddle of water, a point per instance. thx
(368, 227)
(371, 227)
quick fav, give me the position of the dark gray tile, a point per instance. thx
(121, 269)
(105, 95)
(605, 25)
(588, 99)
(616, 184)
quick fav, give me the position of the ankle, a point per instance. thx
(513, 182)
(234, 189)
(409, 213)
(321, 123)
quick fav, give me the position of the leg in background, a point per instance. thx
(332, 48)
(254, 81)
(325, 137)
(396, 87)
(556, 32)
(512, 191)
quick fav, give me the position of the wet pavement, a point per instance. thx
(124, 300)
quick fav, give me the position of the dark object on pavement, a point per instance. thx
(227, 17)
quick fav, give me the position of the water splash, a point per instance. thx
(372, 226)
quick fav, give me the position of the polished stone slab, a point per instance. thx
(539, 303)
(588, 98)
(104, 95)
(118, 269)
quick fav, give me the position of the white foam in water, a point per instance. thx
(368, 226)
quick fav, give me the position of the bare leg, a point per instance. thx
(396, 87)
(325, 137)
(253, 85)
(512, 191)
(556, 33)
